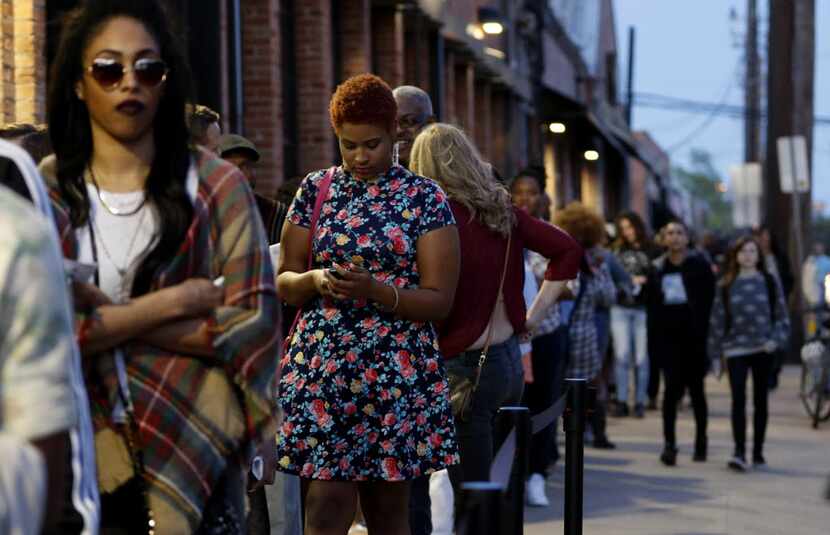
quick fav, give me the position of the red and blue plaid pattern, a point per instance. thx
(196, 415)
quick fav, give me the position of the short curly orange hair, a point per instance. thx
(364, 99)
(584, 224)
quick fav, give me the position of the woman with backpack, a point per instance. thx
(749, 323)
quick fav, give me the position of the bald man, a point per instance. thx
(414, 113)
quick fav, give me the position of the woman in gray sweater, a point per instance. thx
(749, 323)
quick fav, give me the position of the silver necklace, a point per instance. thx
(114, 211)
(122, 271)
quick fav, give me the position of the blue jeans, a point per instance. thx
(628, 329)
(502, 380)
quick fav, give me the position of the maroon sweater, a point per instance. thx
(482, 257)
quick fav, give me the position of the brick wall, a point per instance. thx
(638, 192)
(6, 61)
(388, 44)
(313, 43)
(356, 40)
(24, 77)
(449, 88)
(484, 115)
(263, 88)
(498, 129)
(465, 96)
(418, 52)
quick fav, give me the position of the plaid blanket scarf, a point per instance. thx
(195, 417)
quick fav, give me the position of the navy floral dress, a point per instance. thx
(364, 392)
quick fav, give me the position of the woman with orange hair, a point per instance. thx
(595, 288)
(371, 255)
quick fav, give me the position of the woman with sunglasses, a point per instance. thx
(180, 366)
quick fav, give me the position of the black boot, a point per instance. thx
(700, 450)
(669, 455)
(598, 427)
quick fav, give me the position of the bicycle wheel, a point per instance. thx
(812, 394)
(824, 399)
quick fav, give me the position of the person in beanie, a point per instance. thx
(680, 294)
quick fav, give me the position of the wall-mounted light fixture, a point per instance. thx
(490, 20)
(557, 128)
(494, 52)
(591, 155)
(475, 31)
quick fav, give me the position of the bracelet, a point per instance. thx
(397, 300)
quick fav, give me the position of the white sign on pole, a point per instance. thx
(747, 190)
(793, 171)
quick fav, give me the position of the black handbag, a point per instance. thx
(463, 387)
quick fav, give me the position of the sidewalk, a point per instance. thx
(628, 490)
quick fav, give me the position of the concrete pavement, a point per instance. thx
(628, 490)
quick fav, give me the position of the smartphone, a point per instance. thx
(336, 274)
(79, 271)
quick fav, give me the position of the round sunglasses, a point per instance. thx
(109, 73)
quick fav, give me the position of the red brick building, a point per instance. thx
(270, 66)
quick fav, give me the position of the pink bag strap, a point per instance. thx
(322, 194)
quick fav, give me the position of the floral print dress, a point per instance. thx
(364, 392)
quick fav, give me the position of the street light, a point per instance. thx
(490, 20)
(591, 155)
(557, 128)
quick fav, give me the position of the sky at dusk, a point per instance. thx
(686, 49)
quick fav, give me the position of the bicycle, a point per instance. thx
(815, 379)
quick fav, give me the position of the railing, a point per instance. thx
(496, 507)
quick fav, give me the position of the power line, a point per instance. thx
(712, 114)
(732, 111)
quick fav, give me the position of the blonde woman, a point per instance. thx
(484, 320)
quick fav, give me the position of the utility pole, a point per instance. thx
(790, 93)
(752, 92)
(629, 103)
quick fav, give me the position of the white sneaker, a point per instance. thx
(738, 464)
(535, 492)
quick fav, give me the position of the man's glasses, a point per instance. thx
(109, 73)
(413, 120)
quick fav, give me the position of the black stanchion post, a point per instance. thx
(480, 509)
(517, 418)
(574, 453)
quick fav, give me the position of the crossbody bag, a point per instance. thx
(463, 388)
(322, 193)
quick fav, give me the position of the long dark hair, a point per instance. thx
(732, 266)
(639, 229)
(71, 134)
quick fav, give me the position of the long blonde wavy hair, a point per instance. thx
(445, 154)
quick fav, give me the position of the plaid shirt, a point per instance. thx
(552, 320)
(584, 360)
(194, 418)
